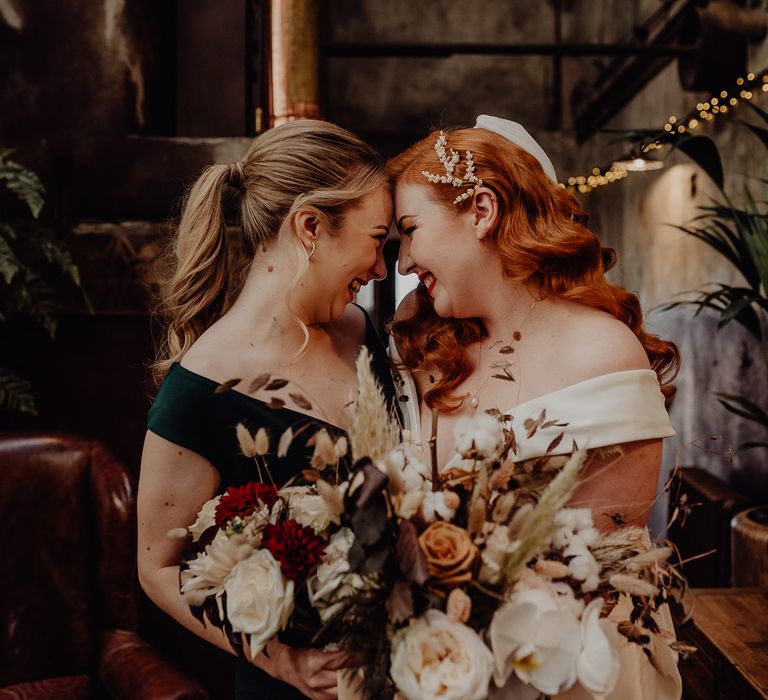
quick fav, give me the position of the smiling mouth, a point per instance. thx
(428, 280)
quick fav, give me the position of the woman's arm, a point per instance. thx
(173, 486)
(619, 484)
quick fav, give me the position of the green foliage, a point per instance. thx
(35, 270)
(738, 233)
(16, 393)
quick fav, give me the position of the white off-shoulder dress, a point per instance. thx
(607, 410)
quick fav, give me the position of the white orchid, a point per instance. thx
(599, 664)
(538, 641)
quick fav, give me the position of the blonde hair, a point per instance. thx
(300, 165)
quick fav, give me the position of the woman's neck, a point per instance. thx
(509, 307)
(262, 304)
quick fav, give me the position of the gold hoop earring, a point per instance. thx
(311, 252)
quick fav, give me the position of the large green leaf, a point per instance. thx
(760, 112)
(25, 184)
(9, 263)
(16, 393)
(758, 131)
(703, 151)
(743, 407)
(56, 252)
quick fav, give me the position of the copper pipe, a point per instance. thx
(293, 61)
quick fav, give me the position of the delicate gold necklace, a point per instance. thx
(501, 365)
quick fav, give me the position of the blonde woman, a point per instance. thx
(315, 210)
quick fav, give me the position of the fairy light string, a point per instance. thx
(747, 88)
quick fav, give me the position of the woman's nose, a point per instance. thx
(379, 269)
(405, 265)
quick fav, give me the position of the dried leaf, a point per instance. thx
(400, 603)
(226, 386)
(501, 364)
(276, 384)
(300, 401)
(552, 445)
(495, 412)
(410, 556)
(633, 633)
(275, 403)
(506, 377)
(506, 350)
(258, 383)
(494, 344)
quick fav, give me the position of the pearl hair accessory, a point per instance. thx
(450, 163)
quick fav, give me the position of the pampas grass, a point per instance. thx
(374, 431)
(540, 526)
(611, 549)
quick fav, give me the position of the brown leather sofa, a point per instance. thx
(68, 596)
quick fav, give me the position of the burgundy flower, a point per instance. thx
(296, 547)
(244, 500)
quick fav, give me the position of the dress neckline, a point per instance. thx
(591, 380)
(283, 409)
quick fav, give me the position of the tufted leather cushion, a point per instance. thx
(47, 616)
(68, 607)
(69, 688)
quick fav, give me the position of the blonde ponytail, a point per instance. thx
(304, 163)
(196, 291)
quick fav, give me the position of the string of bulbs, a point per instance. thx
(746, 89)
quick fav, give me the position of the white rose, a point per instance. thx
(205, 519)
(307, 507)
(333, 582)
(437, 659)
(259, 598)
(536, 639)
(481, 434)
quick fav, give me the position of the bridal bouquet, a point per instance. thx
(464, 583)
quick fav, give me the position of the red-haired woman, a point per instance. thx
(514, 312)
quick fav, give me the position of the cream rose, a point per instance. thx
(259, 598)
(437, 659)
(307, 507)
(450, 554)
(333, 581)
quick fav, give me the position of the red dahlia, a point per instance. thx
(296, 547)
(244, 500)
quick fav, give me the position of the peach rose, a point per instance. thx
(450, 554)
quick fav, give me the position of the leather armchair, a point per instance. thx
(68, 608)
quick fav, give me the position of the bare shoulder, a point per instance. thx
(598, 343)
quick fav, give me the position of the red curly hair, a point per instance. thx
(542, 239)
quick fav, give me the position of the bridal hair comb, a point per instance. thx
(450, 163)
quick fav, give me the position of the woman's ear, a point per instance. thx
(485, 209)
(307, 226)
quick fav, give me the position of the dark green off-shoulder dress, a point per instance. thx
(188, 413)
